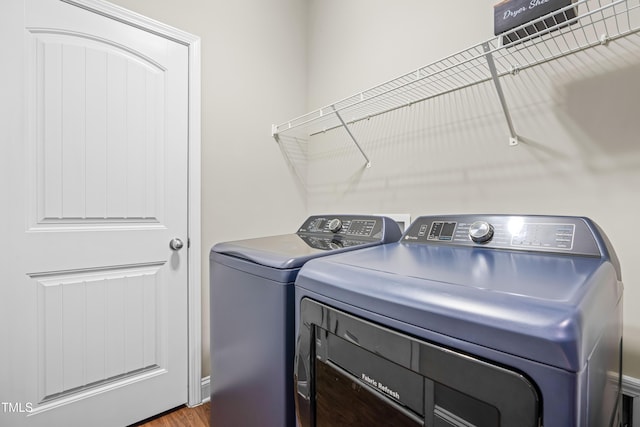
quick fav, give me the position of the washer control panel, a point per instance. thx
(523, 232)
(331, 232)
(344, 225)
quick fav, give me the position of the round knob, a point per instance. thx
(176, 244)
(335, 225)
(481, 231)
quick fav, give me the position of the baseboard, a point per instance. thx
(205, 386)
(630, 386)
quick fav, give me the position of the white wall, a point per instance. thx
(253, 73)
(579, 119)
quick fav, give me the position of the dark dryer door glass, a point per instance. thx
(454, 409)
(342, 400)
(351, 372)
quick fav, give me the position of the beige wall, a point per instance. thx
(253, 74)
(265, 62)
(579, 117)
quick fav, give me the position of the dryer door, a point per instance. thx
(363, 374)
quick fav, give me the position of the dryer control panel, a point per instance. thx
(558, 234)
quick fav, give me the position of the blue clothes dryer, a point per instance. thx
(252, 314)
(469, 320)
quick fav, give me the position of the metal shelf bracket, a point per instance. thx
(513, 140)
(351, 135)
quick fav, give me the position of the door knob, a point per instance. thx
(176, 244)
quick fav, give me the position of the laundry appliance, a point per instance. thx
(252, 313)
(468, 320)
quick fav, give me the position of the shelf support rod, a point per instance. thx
(351, 135)
(496, 81)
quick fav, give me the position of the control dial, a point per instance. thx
(335, 225)
(481, 231)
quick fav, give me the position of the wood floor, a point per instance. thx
(180, 417)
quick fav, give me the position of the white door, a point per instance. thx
(93, 301)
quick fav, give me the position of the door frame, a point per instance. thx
(194, 286)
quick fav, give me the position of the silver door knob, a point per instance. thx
(176, 244)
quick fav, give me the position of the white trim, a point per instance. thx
(142, 22)
(195, 244)
(134, 19)
(630, 386)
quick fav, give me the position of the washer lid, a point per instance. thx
(546, 307)
(284, 252)
(318, 236)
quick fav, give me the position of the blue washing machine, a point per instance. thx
(469, 320)
(252, 314)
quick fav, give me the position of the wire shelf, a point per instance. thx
(580, 26)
